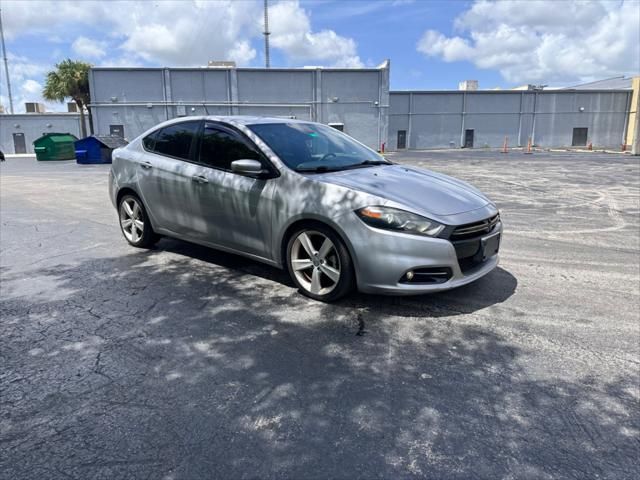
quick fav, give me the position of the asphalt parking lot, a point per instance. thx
(184, 363)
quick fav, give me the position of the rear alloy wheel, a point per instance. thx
(320, 264)
(134, 222)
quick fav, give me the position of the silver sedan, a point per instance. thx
(305, 197)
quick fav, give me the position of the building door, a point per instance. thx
(579, 137)
(19, 145)
(402, 139)
(117, 130)
(468, 139)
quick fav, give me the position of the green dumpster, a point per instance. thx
(55, 146)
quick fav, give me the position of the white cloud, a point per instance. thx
(124, 60)
(544, 41)
(434, 43)
(186, 33)
(23, 68)
(205, 33)
(25, 84)
(242, 52)
(88, 48)
(31, 91)
(183, 33)
(171, 33)
(34, 17)
(291, 32)
(31, 87)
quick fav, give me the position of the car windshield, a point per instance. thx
(308, 147)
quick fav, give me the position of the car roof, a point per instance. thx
(233, 120)
(240, 119)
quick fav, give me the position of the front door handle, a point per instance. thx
(199, 179)
(146, 165)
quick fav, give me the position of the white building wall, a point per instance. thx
(33, 125)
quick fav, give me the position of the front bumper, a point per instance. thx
(383, 257)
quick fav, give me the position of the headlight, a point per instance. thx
(399, 220)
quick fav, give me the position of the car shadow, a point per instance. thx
(494, 288)
(135, 365)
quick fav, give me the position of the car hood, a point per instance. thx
(416, 188)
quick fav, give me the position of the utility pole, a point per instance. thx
(6, 64)
(266, 33)
(635, 138)
(536, 89)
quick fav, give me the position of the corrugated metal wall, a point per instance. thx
(33, 126)
(138, 99)
(439, 119)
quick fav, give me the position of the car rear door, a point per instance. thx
(166, 176)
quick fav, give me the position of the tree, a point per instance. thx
(70, 79)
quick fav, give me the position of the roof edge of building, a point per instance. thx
(515, 92)
(382, 66)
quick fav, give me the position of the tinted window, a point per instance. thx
(219, 148)
(176, 140)
(304, 146)
(149, 141)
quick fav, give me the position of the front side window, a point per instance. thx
(310, 147)
(176, 140)
(219, 148)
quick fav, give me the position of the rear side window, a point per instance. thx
(219, 148)
(176, 140)
(149, 141)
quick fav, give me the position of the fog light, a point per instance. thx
(409, 275)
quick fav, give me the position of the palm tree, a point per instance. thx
(70, 79)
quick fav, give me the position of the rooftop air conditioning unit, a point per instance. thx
(470, 85)
(221, 64)
(34, 107)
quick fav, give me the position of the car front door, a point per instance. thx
(238, 207)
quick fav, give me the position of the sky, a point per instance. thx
(432, 44)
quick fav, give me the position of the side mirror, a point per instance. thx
(252, 168)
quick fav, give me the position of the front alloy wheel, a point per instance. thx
(320, 264)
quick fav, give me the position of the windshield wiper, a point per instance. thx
(318, 169)
(324, 168)
(374, 162)
(367, 163)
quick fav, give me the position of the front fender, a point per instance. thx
(333, 223)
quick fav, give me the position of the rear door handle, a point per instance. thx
(146, 165)
(199, 179)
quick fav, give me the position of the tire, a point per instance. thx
(134, 222)
(322, 271)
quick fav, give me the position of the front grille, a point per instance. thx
(476, 229)
(466, 240)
